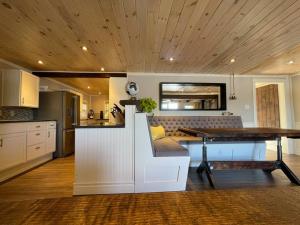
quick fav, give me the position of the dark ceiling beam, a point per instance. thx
(78, 74)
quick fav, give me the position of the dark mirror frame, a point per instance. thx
(222, 89)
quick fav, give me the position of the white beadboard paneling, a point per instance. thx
(104, 158)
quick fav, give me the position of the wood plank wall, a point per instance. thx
(267, 102)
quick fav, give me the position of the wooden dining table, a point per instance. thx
(243, 134)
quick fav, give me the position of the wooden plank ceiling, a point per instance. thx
(142, 35)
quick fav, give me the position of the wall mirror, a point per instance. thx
(192, 96)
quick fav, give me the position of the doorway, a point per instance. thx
(270, 108)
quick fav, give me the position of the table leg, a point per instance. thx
(281, 165)
(204, 166)
(289, 173)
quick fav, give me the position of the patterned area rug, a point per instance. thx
(247, 206)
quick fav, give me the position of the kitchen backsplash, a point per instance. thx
(16, 114)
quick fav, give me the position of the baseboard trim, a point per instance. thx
(24, 167)
(100, 188)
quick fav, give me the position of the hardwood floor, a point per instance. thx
(44, 196)
(51, 180)
(55, 180)
(266, 206)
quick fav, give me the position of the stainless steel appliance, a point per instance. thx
(64, 107)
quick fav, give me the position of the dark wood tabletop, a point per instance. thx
(248, 133)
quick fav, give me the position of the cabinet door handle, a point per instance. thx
(37, 134)
(1, 143)
(23, 101)
(48, 134)
(37, 148)
(37, 126)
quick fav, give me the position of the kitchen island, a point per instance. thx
(104, 156)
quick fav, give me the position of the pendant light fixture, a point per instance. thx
(232, 95)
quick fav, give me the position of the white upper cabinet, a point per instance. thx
(19, 88)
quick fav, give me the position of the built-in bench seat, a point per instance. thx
(218, 149)
(168, 147)
(163, 164)
(160, 165)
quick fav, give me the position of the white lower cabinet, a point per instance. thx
(12, 150)
(51, 140)
(41, 139)
(25, 144)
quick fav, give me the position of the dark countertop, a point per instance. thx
(23, 121)
(100, 125)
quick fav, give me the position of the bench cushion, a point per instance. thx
(187, 139)
(167, 147)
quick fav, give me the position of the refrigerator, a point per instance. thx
(64, 107)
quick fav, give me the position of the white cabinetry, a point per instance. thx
(25, 145)
(19, 88)
(36, 140)
(51, 137)
(12, 150)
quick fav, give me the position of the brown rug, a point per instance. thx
(247, 206)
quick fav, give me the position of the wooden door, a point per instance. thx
(267, 104)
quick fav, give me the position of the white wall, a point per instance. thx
(243, 106)
(295, 80)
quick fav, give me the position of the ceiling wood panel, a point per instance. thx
(140, 36)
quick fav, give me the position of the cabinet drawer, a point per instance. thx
(51, 125)
(36, 137)
(35, 151)
(36, 126)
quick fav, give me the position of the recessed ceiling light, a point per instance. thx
(99, 93)
(40, 62)
(102, 69)
(232, 60)
(89, 87)
(84, 48)
(290, 62)
(171, 59)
